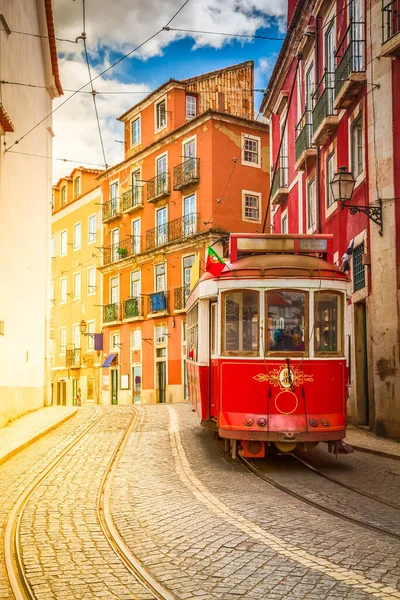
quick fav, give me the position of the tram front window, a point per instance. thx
(241, 311)
(328, 322)
(286, 321)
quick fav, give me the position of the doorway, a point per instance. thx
(136, 383)
(161, 381)
(361, 363)
(62, 393)
(114, 386)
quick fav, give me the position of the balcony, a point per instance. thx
(159, 187)
(280, 182)
(132, 199)
(350, 66)
(173, 231)
(325, 121)
(157, 303)
(73, 358)
(123, 249)
(133, 308)
(180, 296)
(305, 153)
(111, 312)
(187, 173)
(111, 210)
(390, 28)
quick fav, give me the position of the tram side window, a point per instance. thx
(192, 332)
(328, 310)
(287, 320)
(241, 322)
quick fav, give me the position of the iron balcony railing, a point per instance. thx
(281, 177)
(180, 296)
(157, 302)
(133, 308)
(350, 55)
(172, 231)
(123, 249)
(390, 19)
(111, 210)
(73, 358)
(323, 99)
(186, 173)
(158, 187)
(131, 198)
(304, 133)
(111, 312)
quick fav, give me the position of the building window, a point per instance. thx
(136, 236)
(114, 290)
(136, 133)
(251, 151)
(311, 208)
(161, 334)
(358, 268)
(77, 285)
(284, 224)
(91, 281)
(356, 143)
(92, 229)
(135, 284)
(63, 291)
(76, 336)
(63, 340)
(136, 338)
(161, 114)
(190, 107)
(251, 207)
(63, 250)
(188, 262)
(90, 338)
(160, 277)
(330, 171)
(64, 195)
(77, 236)
(115, 345)
(77, 187)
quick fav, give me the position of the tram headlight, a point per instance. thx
(249, 421)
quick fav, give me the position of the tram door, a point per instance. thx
(114, 386)
(161, 381)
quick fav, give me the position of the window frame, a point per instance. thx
(91, 291)
(299, 353)
(63, 196)
(160, 101)
(248, 136)
(191, 97)
(136, 119)
(62, 233)
(62, 281)
(64, 330)
(77, 227)
(160, 264)
(257, 195)
(331, 353)
(285, 219)
(311, 228)
(242, 353)
(357, 124)
(91, 233)
(77, 186)
(76, 277)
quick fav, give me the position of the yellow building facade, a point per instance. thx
(76, 289)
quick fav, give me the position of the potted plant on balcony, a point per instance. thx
(122, 252)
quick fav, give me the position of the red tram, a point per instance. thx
(266, 344)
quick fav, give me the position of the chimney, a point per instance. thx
(291, 7)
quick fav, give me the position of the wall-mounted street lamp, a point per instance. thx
(98, 337)
(342, 186)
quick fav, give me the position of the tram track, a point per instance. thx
(14, 563)
(302, 498)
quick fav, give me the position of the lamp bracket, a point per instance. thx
(373, 212)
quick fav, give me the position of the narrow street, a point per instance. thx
(175, 517)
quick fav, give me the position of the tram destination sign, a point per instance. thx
(259, 243)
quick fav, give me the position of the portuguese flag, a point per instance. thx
(215, 264)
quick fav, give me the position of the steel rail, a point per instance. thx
(19, 583)
(111, 533)
(341, 483)
(283, 488)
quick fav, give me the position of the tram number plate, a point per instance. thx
(288, 437)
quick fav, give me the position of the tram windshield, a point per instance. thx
(241, 322)
(286, 310)
(328, 309)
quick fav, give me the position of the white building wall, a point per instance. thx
(25, 196)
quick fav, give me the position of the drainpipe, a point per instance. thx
(318, 160)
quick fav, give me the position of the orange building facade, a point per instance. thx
(196, 167)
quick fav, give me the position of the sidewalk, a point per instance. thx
(23, 431)
(367, 441)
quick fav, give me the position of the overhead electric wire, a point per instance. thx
(237, 35)
(81, 162)
(94, 79)
(46, 37)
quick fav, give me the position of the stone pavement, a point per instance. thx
(367, 440)
(23, 431)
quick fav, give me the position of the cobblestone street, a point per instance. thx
(196, 521)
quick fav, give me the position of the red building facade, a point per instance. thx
(330, 103)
